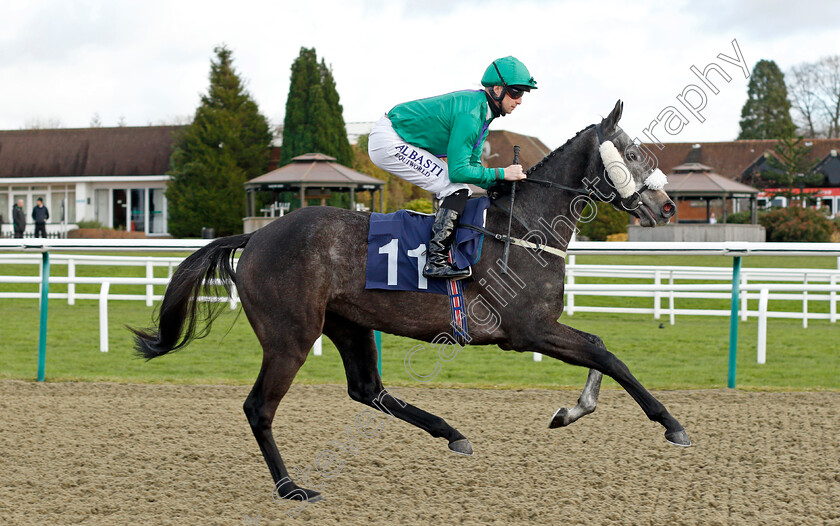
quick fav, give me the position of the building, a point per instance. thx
(740, 161)
(115, 176)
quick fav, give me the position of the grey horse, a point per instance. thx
(303, 275)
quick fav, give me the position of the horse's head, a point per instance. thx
(630, 179)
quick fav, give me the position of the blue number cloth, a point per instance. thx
(410, 230)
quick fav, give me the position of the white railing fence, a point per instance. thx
(762, 284)
(664, 284)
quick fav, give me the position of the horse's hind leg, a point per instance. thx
(586, 403)
(562, 343)
(588, 400)
(281, 362)
(358, 352)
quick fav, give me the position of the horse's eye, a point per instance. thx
(631, 156)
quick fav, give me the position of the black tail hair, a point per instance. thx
(180, 310)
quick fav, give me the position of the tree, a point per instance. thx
(815, 92)
(791, 169)
(766, 114)
(606, 221)
(314, 121)
(802, 87)
(828, 80)
(38, 123)
(796, 225)
(227, 143)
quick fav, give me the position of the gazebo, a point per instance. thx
(313, 176)
(698, 181)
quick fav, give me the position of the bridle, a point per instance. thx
(629, 202)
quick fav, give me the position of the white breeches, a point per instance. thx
(390, 152)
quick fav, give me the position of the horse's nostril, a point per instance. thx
(668, 209)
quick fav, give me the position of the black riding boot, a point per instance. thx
(437, 257)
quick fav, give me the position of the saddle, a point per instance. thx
(397, 245)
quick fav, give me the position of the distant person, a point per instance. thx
(19, 218)
(712, 219)
(40, 214)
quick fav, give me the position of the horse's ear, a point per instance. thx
(611, 121)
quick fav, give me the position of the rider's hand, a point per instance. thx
(514, 173)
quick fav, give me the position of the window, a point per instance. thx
(138, 210)
(100, 213)
(71, 207)
(157, 211)
(57, 206)
(5, 208)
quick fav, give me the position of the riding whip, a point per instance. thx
(510, 213)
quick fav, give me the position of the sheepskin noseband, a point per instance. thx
(617, 171)
(620, 175)
(656, 180)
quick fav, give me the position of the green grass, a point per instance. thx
(691, 354)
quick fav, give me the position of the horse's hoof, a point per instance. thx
(678, 438)
(560, 419)
(461, 446)
(291, 491)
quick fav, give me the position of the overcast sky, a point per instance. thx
(148, 61)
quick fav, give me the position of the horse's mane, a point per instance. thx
(557, 151)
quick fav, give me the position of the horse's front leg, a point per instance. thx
(564, 343)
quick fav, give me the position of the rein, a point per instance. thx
(508, 239)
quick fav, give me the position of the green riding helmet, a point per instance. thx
(513, 73)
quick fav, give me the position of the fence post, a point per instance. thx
(763, 298)
(377, 338)
(150, 289)
(45, 297)
(570, 279)
(805, 305)
(71, 286)
(103, 316)
(733, 321)
(318, 348)
(234, 296)
(657, 296)
(671, 297)
(744, 304)
(832, 300)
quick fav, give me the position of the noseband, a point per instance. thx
(619, 176)
(617, 172)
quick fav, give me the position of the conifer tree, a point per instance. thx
(766, 114)
(227, 143)
(314, 121)
(791, 169)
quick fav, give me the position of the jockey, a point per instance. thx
(410, 140)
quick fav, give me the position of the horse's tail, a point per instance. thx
(181, 311)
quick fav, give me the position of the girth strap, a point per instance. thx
(516, 241)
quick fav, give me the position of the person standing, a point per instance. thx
(19, 218)
(40, 214)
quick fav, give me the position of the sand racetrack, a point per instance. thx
(97, 453)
